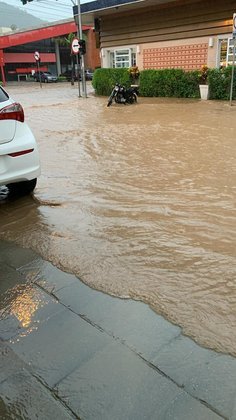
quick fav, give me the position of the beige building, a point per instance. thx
(156, 34)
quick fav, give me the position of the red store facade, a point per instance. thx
(17, 50)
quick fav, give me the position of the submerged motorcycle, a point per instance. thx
(122, 95)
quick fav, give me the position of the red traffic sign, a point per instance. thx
(37, 56)
(75, 46)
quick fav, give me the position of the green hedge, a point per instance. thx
(170, 83)
(104, 80)
(62, 79)
(167, 83)
(219, 81)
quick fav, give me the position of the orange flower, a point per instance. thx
(134, 71)
(203, 74)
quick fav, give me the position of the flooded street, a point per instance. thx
(138, 201)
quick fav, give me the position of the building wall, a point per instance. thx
(92, 56)
(180, 34)
(168, 22)
(188, 54)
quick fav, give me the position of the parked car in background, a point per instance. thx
(46, 77)
(68, 75)
(19, 157)
(89, 74)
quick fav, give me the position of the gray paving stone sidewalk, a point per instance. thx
(68, 351)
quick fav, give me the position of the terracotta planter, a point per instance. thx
(204, 92)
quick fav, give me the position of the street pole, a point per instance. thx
(40, 80)
(78, 72)
(232, 74)
(82, 57)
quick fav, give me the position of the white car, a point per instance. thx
(19, 157)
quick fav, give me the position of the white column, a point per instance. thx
(58, 60)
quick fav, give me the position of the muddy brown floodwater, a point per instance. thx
(138, 201)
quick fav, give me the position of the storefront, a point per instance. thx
(17, 50)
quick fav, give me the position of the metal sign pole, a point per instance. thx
(75, 51)
(232, 74)
(40, 81)
(78, 65)
(233, 64)
(82, 57)
(78, 72)
(37, 59)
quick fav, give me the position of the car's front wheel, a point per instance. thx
(22, 188)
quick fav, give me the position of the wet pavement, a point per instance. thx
(68, 351)
(137, 202)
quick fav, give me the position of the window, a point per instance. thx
(230, 52)
(112, 59)
(223, 46)
(226, 52)
(133, 59)
(122, 58)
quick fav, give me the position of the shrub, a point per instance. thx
(104, 79)
(62, 79)
(169, 83)
(219, 81)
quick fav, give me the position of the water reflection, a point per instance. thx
(138, 201)
(22, 302)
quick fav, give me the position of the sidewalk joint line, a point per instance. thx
(123, 342)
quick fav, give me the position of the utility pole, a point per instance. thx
(80, 33)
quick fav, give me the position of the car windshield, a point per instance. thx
(47, 72)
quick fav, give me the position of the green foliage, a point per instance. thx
(219, 81)
(105, 79)
(169, 83)
(66, 41)
(62, 79)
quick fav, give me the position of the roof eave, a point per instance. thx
(95, 9)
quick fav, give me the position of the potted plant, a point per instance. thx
(134, 73)
(203, 86)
